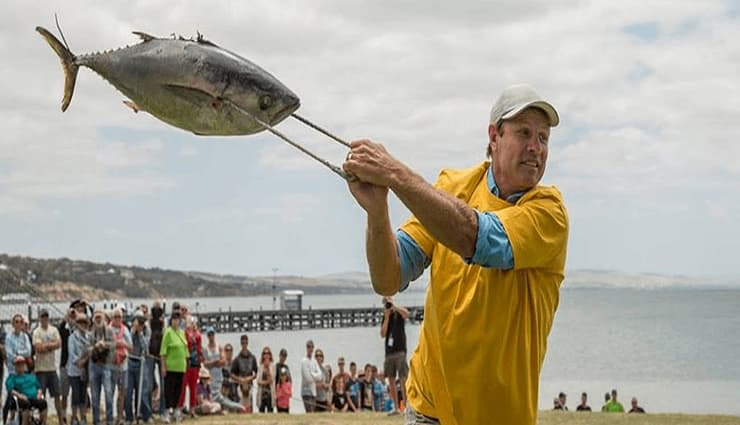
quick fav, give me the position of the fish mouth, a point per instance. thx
(284, 113)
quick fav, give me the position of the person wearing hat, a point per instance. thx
(138, 383)
(46, 342)
(79, 355)
(24, 387)
(214, 359)
(205, 405)
(496, 241)
(102, 353)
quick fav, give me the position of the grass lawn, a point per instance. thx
(545, 418)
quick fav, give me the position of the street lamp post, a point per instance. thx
(274, 281)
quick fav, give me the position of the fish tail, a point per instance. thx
(68, 65)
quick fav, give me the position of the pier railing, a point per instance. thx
(289, 320)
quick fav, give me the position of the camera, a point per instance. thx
(388, 304)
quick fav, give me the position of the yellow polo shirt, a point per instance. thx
(484, 334)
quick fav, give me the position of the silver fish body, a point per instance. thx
(190, 84)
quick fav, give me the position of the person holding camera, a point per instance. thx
(137, 377)
(394, 331)
(102, 351)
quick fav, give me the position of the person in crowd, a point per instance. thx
(614, 405)
(3, 354)
(205, 405)
(367, 396)
(30, 363)
(607, 397)
(266, 382)
(119, 367)
(17, 343)
(283, 392)
(393, 329)
(380, 391)
(24, 388)
(185, 311)
(46, 342)
(583, 407)
(156, 328)
(214, 361)
(102, 354)
(563, 400)
(229, 388)
(340, 400)
(353, 385)
(173, 361)
(138, 389)
(556, 404)
(282, 365)
(483, 231)
(310, 375)
(195, 358)
(322, 387)
(77, 368)
(340, 372)
(244, 372)
(65, 328)
(635, 408)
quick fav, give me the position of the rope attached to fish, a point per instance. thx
(296, 145)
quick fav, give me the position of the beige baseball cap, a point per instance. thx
(514, 99)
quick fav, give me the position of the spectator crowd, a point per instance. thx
(141, 363)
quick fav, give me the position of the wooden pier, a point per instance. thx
(290, 320)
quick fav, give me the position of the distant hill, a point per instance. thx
(64, 279)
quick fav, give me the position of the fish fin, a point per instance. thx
(134, 107)
(202, 40)
(144, 36)
(68, 65)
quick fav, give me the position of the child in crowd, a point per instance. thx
(284, 392)
(341, 402)
(205, 406)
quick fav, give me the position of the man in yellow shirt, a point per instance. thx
(495, 241)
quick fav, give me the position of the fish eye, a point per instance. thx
(265, 102)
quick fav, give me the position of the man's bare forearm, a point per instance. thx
(453, 223)
(382, 257)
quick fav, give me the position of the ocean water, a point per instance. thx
(676, 350)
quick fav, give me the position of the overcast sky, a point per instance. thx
(647, 155)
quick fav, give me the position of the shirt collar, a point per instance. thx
(495, 190)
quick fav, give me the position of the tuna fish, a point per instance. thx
(190, 84)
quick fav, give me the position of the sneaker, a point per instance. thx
(394, 413)
(83, 421)
(178, 415)
(165, 418)
(75, 421)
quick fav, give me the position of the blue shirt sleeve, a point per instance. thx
(412, 259)
(493, 248)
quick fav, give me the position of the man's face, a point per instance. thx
(20, 367)
(245, 344)
(309, 350)
(283, 357)
(17, 323)
(353, 369)
(98, 321)
(583, 398)
(44, 321)
(519, 155)
(341, 365)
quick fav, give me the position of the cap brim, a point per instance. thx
(548, 109)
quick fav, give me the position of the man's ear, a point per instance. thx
(492, 137)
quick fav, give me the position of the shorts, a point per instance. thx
(64, 381)
(79, 391)
(35, 403)
(48, 381)
(395, 365)
(119, 377)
